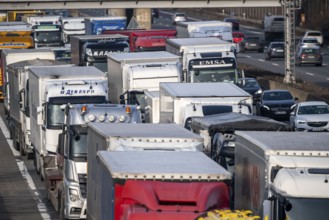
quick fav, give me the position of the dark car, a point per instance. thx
(309, 55)
(235, 23)
(274, 50)
(252, 43)
(251, 86)
(276, 104)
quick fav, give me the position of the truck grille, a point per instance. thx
(317, 123)
(83, 184)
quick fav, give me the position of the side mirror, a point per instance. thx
(60, 148)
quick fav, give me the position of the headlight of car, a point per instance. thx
(301, 122)
(74, 196)
(266, 107)
(259, 91)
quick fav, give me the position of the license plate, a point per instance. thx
(317, 129)
(253, 45)
(280, 50)
(280, 112)
(310, 56)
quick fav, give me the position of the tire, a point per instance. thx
(318, 64)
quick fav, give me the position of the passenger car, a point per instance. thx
(314, 34)
(235, 23)
(274, 50)
(310, 116)
(309, 55)
(276, 104)
(252, 43)
(237, 36)
(308, 42)
(178, 17)
(251, 86)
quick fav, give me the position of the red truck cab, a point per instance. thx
(146, 40)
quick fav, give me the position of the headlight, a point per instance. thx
(259, 91)
(91, 117)
(101, 118)
(74, 196)
(122, 118)
(111, 118)
(266, 107)
(88, 52)
(301, 122)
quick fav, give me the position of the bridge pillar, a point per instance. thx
(116, 12)
(143, 17)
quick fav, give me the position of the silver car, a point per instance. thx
(310, 116)
(178, 17)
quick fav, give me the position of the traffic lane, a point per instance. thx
(22, 206)
(314, 74)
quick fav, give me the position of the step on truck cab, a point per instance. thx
(130, 74)
(92, 50)
(154, 185)
(54, 87)
(67, 185)
(282, 175)
(8, 57)
(206, 59)
(19, 113)
(180, 102)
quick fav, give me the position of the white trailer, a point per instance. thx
(282, 175)
(19, 114)
(49, 89)
(72, 26)
(220, 29)
(131, 73)
(179, 102)
(205, 59)
(154, 185)
(9, 56)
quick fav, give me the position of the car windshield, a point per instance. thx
(310, 41)
(278, 46)
(179, 15)
(248, 83)
(314, 34)
(313, 109)
(277, 96)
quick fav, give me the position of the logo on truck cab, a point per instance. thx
(77, 91)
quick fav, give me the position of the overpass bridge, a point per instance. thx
(110, 4)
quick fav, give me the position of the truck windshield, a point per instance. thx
(78, 146)
(47, 36)
(215, 75)
(55, 114)
(305, 208)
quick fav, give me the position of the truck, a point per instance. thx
(54, 87)
(146, 40)
(273, 28)
(193, 29)
(92, 50)
(67, 185)
(72, 26)
(19, 114)
(218, 132)
(96, 25)
(47, 31)
(282, 175)
(8, 57)
(205, 59)
(179, 102)
(154, 185)
(130, 74)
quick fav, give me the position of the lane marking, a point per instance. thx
(25, 173)
(261, 60)
(311, 74)
(275, 64)
(248, 56)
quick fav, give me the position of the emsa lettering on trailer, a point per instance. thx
(77, 91)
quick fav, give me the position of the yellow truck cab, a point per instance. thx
(17, 15)
(13, 37)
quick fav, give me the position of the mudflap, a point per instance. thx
(53, 183)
